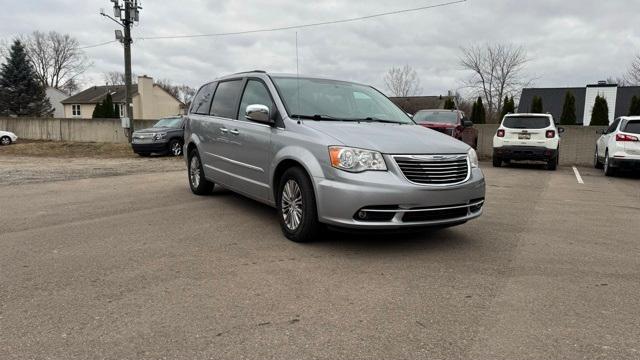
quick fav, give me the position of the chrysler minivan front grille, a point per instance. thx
(434, 169)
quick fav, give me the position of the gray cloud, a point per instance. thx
(571, 42)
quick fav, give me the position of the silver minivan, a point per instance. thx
(327, 152)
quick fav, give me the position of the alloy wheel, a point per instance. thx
(194, 171)
(292, 205)
(176, 149)
(5, 141)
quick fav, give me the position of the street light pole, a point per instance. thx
(131, 15)
(127, 67)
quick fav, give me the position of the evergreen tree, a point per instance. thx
(20, 91)
(108, 108)
(600, 113)
(449, 104)
(509, 106)
(569, 110)
(478, 114)
(536, 105)
(98, 112)
(634, 110)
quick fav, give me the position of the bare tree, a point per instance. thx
(402, 82)
(498, 70)
(633, 74)
(184, 93)
(117, 78)
(57, 59)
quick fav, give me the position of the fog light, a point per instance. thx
(362, 215)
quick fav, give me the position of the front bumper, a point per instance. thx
(150, 147)
(391, 202)
(534, 153)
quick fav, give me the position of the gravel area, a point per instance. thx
(16, 170)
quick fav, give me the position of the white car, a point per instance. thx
(619, 146)
(6, 138)
(532, 137)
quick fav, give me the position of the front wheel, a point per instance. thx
(296, 204)
(175, 147)
(5, 140)
(596, 162)
(197, 182)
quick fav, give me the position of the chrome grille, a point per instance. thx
(434, 169)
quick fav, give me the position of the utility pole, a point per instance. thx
(128, 14)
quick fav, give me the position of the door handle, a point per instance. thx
(224, 130)
(234, 132)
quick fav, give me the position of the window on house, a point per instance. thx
(75, 110)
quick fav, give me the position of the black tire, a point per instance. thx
(175, 147)
(5, 140)
(297, 204)
(596, 162)
(497, 161)
(144, 154)
(552, 164)
(608, 170)
(197, 182)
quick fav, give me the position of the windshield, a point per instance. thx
(632, 127)
(336, 100)
(526, 122)
(439, 117)
(170, 123)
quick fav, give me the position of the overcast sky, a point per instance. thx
(570, 42)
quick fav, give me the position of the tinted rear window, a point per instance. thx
(632, 127)
(226, 99)
(202, 101)
(526, 122)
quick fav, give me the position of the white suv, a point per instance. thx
(532, 137)
(619, 146)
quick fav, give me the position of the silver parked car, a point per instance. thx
(327, 152)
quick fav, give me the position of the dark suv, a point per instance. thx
(451, 122)
(165, 137)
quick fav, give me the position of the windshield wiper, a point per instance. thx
(374, 119)
(317, 117)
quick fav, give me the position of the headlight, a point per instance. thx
(356, 160)
(473, 158)
(159, 136)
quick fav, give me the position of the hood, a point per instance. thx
(437, 125)
(390, 138)
(155, 130)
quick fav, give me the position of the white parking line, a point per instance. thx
(575, 171)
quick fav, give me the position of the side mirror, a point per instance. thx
(467, 123)
(561, 130)
(258, 113)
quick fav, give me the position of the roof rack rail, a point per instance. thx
(252, 71)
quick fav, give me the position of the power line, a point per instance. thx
(96, 45)
(304, 25)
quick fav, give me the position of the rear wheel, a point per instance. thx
(497, 161)
(197, 182)
(5, 140)
(296, 204)
(608, 170)
(552, 164)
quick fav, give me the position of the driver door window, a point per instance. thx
(255, 93)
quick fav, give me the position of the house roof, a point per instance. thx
(553, 100)
(413, 104)
(96, 94)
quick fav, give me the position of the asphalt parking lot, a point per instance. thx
(136, 267)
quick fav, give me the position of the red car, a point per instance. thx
(450, 122)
